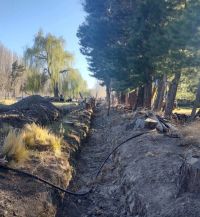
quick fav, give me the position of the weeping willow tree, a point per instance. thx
(73, 84)
(35, 81)
(49, 56)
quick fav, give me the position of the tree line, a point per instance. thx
(11, 72)
(147, 46)
(45, 68)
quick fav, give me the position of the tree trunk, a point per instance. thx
(140, 98)
(123, 98)
(147, 95)
(171, 96)
(148, 89)
(108, 98)
(160, 93)
(154, 92)
(55, 90)
(196, 103)
(127, 100)
(118, 95)
(13, 93)
(133, 99)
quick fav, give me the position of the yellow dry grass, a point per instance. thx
(7, 101)
(35, 134)
(14, 147)
(64, 104)
(186, 111)
(183, 110)
(17, 143)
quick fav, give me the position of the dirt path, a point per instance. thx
(90, 158)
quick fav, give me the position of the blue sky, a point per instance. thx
(21, 19)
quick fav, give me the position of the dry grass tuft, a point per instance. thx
(191, 135)
(14, 147)
(7, 101)
(75, 137)
(34, 134)
(17, 143)
(56, 143)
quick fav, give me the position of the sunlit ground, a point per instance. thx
(183, 110)
(58, 104)
(180, 110)
(64, 104)
(7, 101)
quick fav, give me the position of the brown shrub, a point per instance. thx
(34, 134)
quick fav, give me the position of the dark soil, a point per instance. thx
(31, 109)
(25, 197)
(142, 179)
(93, 151)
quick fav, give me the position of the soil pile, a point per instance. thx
(31, 109)
(24, 196)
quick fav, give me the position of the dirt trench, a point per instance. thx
(142, 179)
(92, 153)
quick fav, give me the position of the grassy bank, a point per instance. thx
(44, 152)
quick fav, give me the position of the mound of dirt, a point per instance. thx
(156, 176)
(31, 109)
(149, 176)
(24, 196)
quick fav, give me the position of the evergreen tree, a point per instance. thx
(133, 43)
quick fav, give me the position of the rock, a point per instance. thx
(150, 123)
(189, 177)
(149, 120)
(139, 123)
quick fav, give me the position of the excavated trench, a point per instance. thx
(147, 177)
(92, 153)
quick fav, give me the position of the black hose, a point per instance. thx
(115, 149)
(66, 191)
(40, 179)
